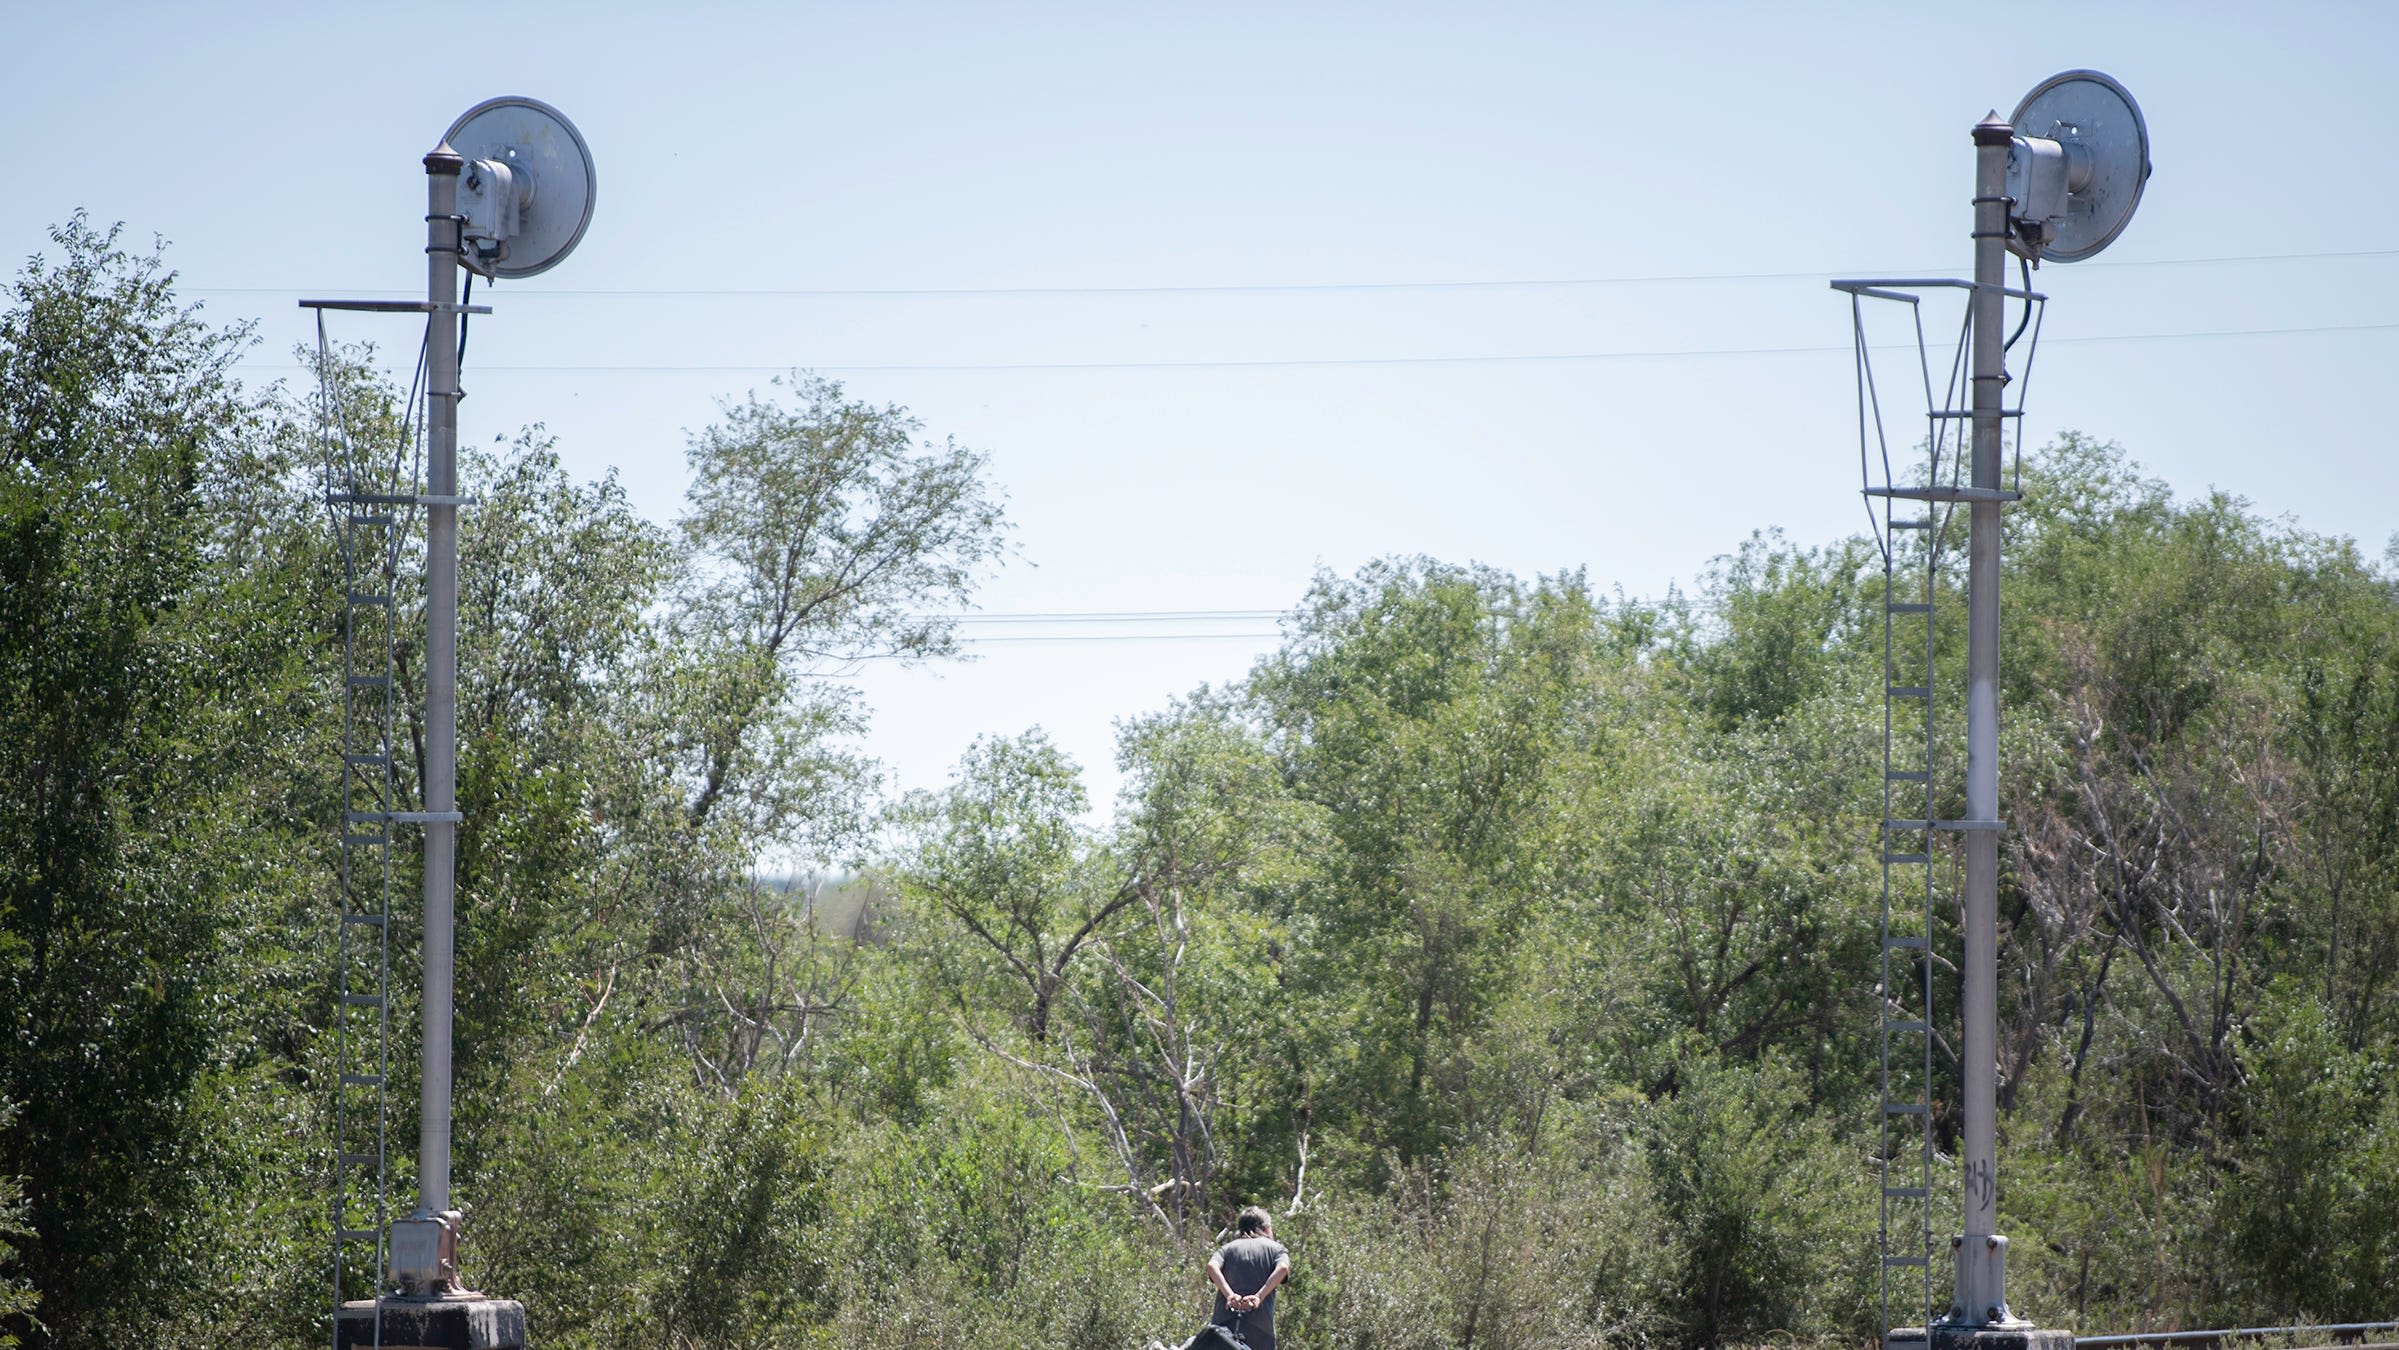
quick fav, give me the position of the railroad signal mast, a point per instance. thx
(509, 193)
(2058, 181)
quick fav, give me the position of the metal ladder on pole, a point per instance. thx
(1911, 519)
(1905, 1030)
(1908, 526)
(1904, 1021)
(369, 528)
(372, 504)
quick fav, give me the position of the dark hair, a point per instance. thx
(1253, 1221)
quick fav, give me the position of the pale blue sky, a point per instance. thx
(945, 148)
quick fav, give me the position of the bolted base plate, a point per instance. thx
(458, 1322)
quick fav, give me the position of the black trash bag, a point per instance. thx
(1215, 1337)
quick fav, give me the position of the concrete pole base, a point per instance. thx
(457, 1322)
(2005, 1336)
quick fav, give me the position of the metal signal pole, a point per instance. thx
(2062, 194)
(424, 1245)
(1982, 1252)
(483, 213)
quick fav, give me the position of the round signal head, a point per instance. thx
(2087, 109)
(534, 139)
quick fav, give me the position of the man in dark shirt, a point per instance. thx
(1246, 1272)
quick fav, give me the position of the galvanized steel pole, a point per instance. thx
(1982, 1253)
(421, 1255)
(442, 246)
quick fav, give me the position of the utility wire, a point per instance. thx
(1088, 619)
(1501, 358)
(1087, 616)
(1302, 288)
(1127, 637)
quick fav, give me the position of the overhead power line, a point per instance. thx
(1088, 616)
(1483, 359)
(1126, 637)
(1081, 624)
(1291, 288)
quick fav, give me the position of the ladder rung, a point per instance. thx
(377, 920)
(1908, 690)
(370, 522)
(1964, 414)
(1903, 1108)
(1910, 943)
(370, 682)
(363, 1000)
(361, 1159)
(1905, 1026)
(366, 840)
(362, 1080)
(403, 498)
(1908, 775)
(367, 761)
(1948, 494)
(357, 1235)
(1905, 1261)
(367, 598)
(1907, 857)
(1911, 524)
(1906, 1192)
(1896, 825)
(1909, 607)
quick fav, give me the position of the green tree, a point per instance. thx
(1002, 856)
(18, 1298)
(1420, 708)
(624, 937)
(820, 533)
(1761, 1203)
(116, 406)
(2306, 1205)
(1781, 618)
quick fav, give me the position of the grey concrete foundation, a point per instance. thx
(458, 1322)
(2006, 1336)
